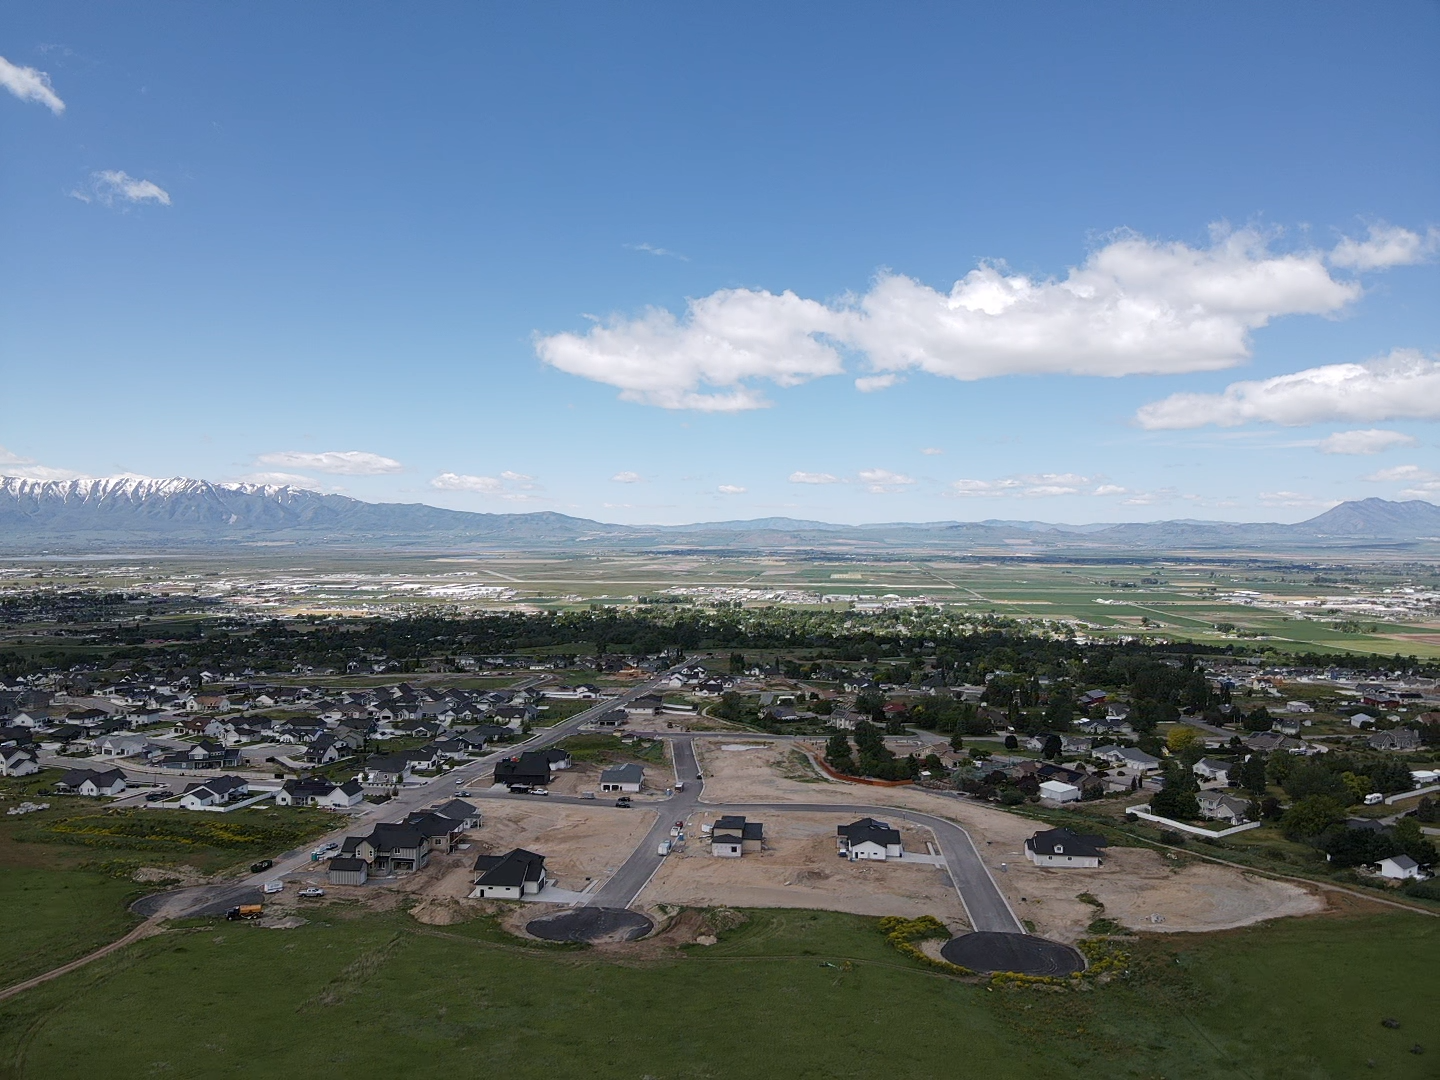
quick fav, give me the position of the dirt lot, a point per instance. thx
(1134, 884)
(578, 842)
(799, 868)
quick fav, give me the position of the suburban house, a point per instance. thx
(1218, 806)
(1399, 867)
(116, 746)
(1360, 719)
(441, 833)
(395, 847)
(216, 792)
(1059, 791)
(1210, 769)
(1398, 739)
(613, 719)
(1062, 847)
(627, 777)
(510, 876)
(732, 836)
(389, 769)
(868, 839)
(532, 768)
(324, 750)
(1299, 707)
(645, 705)
(15, 761)
(459, 810)
(348, 871)
(1128, 757)
(555, 757)
(92, 782)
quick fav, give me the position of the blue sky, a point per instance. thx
(645, 263)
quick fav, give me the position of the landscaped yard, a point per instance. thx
(787, 994)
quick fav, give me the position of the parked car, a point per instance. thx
(519, 789)
(539, 791)
(157, 796)
(623, 801)
(587, 794)
(312, 892)
(261, 866)
(272, 887)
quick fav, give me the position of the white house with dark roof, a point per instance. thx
(869, 839)
(511, 876)
(627, 777)
(1064, 848)
(1218, 806)
(732, 836)
(1210, 769)
(1400, 867)
(93, 782)
(15, 761)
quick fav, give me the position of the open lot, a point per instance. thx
(799, 868)
(1134, 883)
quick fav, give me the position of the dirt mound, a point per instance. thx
(438, 911)
(806, 877)
(170, 875)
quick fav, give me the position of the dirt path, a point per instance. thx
(148, 928)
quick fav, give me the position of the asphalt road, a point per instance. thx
(636, 871)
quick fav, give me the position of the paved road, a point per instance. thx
(184, 902)
(636, 871)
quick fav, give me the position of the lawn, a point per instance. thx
(787, 994)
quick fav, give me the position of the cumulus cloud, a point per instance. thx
(1033, 486)
(510, 486)
(27, 84)
(113, 185)
(730, 489)
(1386, 246)
(883, 481)
(1134, 306)
(798, 477)
(627, 478)
(343, 462)
(1402, 386)
(1421, 483)
(1368, 441)
(12, 464)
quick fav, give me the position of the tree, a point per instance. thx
(1251, 774)
(1182, 738)
(1259, 720)
(837, 753)
(1011, 742)
(1312, 816)
(1413, 842)
(956, 742)
(1312, 778)
(1052, 747)
(1358, 847)
(1174, 803)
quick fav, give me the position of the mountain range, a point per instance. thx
(128, 513)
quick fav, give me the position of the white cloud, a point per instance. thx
(1368, 441)
(627, 478)
(883, 481)
(12, 464)
(1402, 386)
(932, 450)
(651, 249)
(518, 476)
(1295, 499)
(494, 486)
(868, 384)
(1135, 306)
(730, 489)
(27, 84)
(1033, 486)
(1424, 484)
(798, 477)
(111, 185)
(1386, 246)
(343, 462)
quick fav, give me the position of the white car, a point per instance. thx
(312, 891)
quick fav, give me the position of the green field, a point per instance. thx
(788, 994)
(55, 916)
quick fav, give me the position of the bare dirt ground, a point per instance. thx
(1134, 884)
(800, 868)
(578, 842)
(585, 776)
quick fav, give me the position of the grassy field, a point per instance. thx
(54, 916)
(789, 993)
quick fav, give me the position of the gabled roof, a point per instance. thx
(629, 773)
(457, 810)
(1066, 842)
(1401, 862)
(512, 869)
(868, 829)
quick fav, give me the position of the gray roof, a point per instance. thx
(512, 869)
(629, 773)
(879, 832)
(1066, 842)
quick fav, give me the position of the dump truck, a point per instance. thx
(245, 911)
